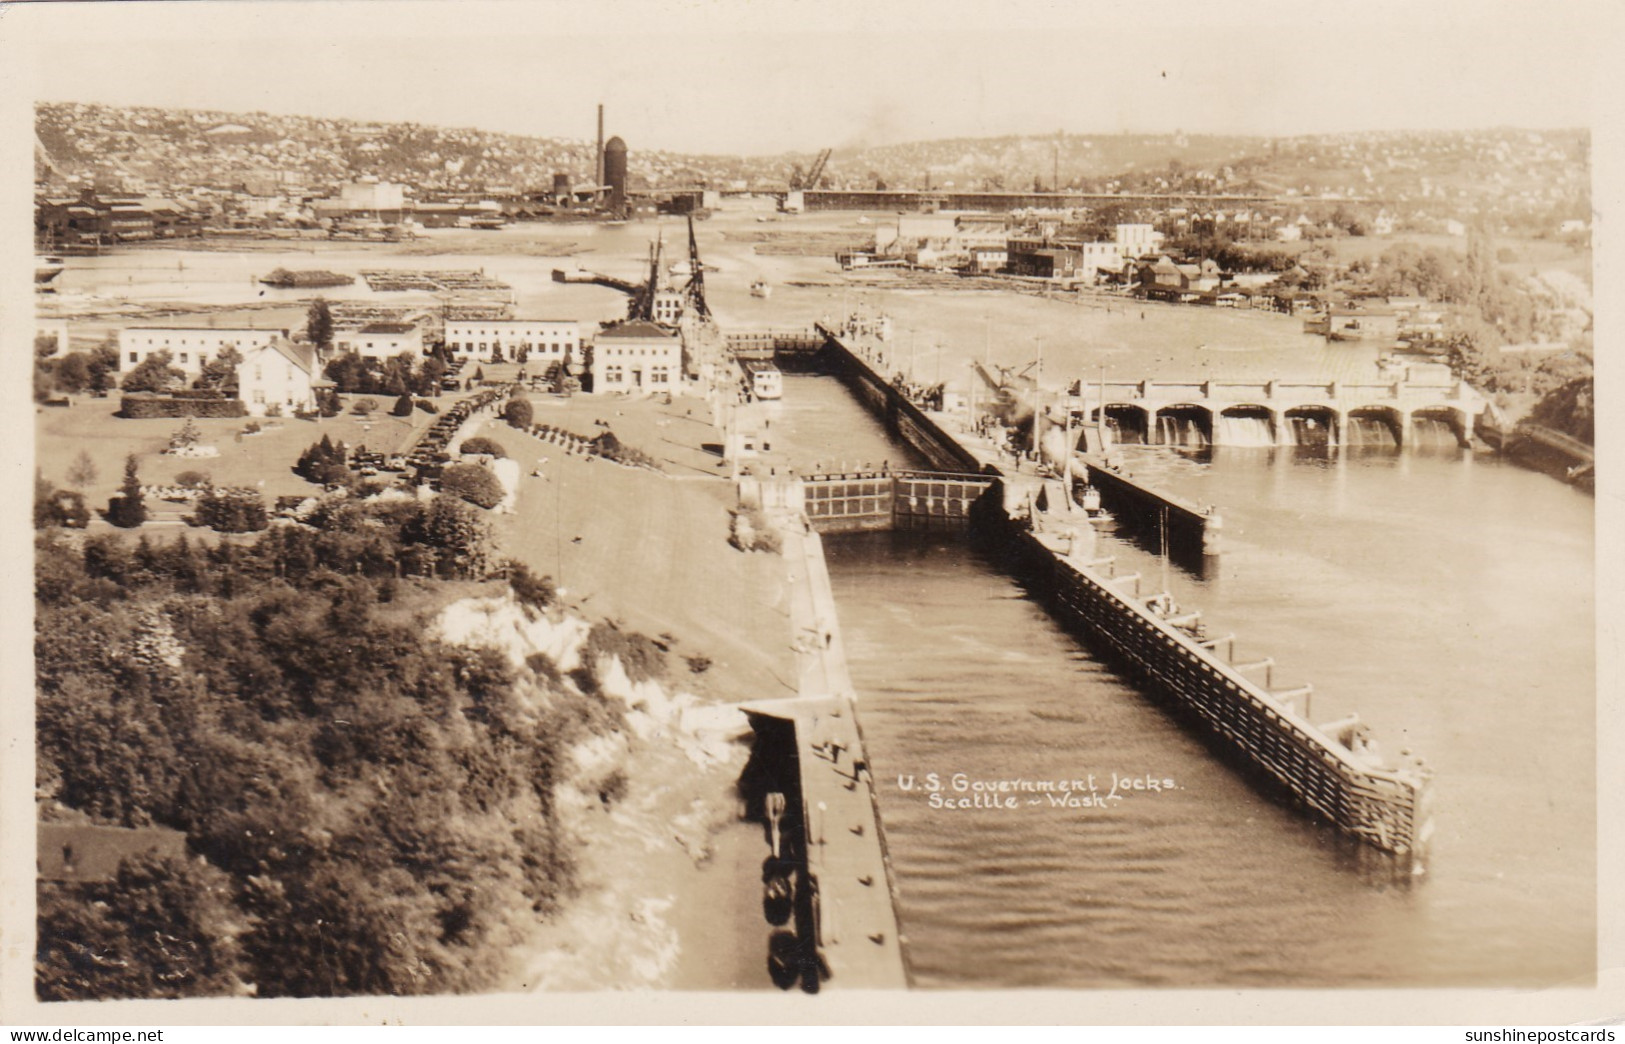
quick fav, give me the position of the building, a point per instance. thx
(988, 258)
(280, 373)
(188, 347)
(667, 306)
(541, 340)
(1099, 257)
(1136, 240)
(1044, 262)
(636, 356)
(381, 340)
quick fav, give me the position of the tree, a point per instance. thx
(473, 483)
(154, 374)
(319, 324)
(160, 929)
(519, 413)
(459, 536)
(223, 367)
(481, 444)
(104, 368)
(45, 346)
(403, 406)
(83, 471)
(73, 372)
(429, 375)
(127, 509)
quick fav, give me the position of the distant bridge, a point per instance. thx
(1272, 412)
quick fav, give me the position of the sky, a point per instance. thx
(768, 76)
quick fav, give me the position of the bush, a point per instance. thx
(641, 656)
(480, 444)
(140, 407)
(363, 407)
(426, 406)
(403, 406)
(58, 507)
(473, 483)
(231, 511)
(192, 479)
(519, 413)
(532, 590)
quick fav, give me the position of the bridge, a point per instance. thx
(1274, 413)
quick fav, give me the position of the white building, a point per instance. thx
(668, 306)
(1097, 256)
(188, 347)
(1136, 240)
(368, 194)
(281, 373)
(383, 340)
(636, 356)
(542, 340)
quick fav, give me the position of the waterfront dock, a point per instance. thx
(844, 897)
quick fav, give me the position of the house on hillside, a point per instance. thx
(282, 373)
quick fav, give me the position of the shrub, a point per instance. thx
(532, 590)
(403, 406)
(192, 479)
(362, 407)
(58, 507)
(519, 413)
(641, 656)
(153, 374)
(751, 531)
(473, 483)
(230, 511)
(426, 406)
(140, 407)
(274, 410)
(480, 444)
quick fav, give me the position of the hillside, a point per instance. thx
(1530, 179)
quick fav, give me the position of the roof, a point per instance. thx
(615, 144)
(636, 328)
(301, 355)
(388, 328)
(1360, 311)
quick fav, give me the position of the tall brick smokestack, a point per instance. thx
(598, 157)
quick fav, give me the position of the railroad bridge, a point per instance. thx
(1272, 412)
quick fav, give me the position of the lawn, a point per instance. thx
(265, 460)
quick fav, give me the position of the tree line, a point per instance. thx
(368, 809)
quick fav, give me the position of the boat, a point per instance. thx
(47, 269)
(760, 288)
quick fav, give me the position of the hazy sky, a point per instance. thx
(758, 76)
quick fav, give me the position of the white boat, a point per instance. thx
(760, 288)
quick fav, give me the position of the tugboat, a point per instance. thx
(47, 269)
(760, 288)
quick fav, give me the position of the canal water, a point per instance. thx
(1444, 596)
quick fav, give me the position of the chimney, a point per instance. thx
(598, 157)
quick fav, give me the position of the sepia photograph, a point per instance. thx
(785, 501)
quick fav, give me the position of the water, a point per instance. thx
(1444, 596)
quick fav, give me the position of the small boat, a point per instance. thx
(760, 288)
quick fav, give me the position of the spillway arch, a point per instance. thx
(1187, 424)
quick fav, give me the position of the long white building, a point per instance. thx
(543, 340)
(189, 347)
(381, 340)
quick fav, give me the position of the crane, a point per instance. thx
(695, 290)
(817, 170)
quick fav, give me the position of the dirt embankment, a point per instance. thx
(670, 876)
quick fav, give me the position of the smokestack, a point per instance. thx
(598, 157)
